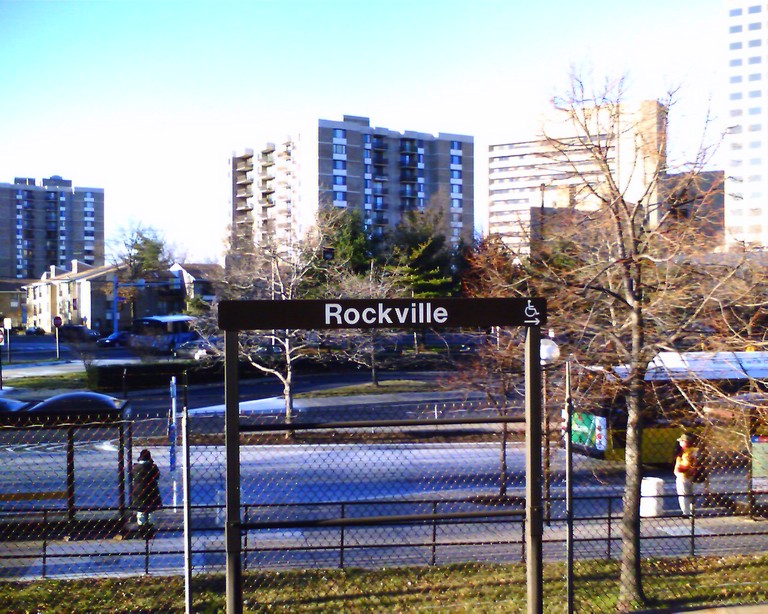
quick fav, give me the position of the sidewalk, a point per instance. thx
(14, 371)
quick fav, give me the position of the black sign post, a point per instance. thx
(236, 316)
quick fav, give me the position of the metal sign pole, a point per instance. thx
(569, 484)
(534, 527)
(234, 316)
(187, 508)
(234, 586)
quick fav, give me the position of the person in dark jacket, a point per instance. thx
(146, 488)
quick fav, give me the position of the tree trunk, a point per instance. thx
(374, 369)
(630, 582)
(288, 383)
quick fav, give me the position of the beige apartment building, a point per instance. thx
(528, 178)
(49, 223)
(349, 164)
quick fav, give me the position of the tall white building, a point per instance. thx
(349, 164)
(746, 200)
(528, 178)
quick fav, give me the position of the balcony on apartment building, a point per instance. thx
(409, 176)
(379, 143)
(266, 187)
(243, 178)
(244, 163)
(244, 192)
(408, 146)
(379, 219)
(408, 160)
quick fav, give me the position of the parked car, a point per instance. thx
(199, 349)
(34, 330)
(77, 333)
(118, 339)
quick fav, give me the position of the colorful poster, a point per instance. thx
(589, 431)
(759, 456)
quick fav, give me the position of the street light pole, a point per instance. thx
(550, 352)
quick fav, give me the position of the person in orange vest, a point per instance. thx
(685, 468)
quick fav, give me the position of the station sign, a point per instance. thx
(382, 313)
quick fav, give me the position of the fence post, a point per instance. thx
(693, 527)
(434, 534)
(146, 554)
(45, 543)
(341, 538)
(70, 472)
(610, 520)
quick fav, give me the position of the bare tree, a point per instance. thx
(274, 272)
(618, 256)
(365, 347)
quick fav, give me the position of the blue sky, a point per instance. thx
(149, 99)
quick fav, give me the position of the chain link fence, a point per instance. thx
(316, 502)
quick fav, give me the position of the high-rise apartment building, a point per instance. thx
(746, 201)
(49, 224)
(348, 164)
(529, 178)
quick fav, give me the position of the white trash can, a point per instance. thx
(651, 500)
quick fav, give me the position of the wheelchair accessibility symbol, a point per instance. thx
(531, 314)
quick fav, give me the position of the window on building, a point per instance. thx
(735, 96)
(455, 159)
(736, 79)
(342, 196)
(755, 77)
(755, 127)
(752, 10)
(735, 46)
(755, 26)
(734, 12)
(339, 180)
(735, 29)
(339, 149)
(755, 42)
(456, 145)
(736, 112)
(736, 62)
(455, 188)
(754, 60)
(754, 94)
(339, 133)
(455, 174)
(340, 165)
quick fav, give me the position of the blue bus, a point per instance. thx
(162, 333)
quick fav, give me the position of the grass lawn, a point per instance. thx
(670, 584)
